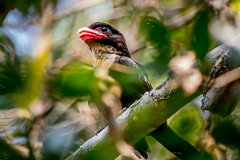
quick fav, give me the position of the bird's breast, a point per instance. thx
(104, 55)
(105, 62)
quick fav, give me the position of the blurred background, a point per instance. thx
(45, 77)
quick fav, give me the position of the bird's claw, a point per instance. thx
(98, 130)
(123, 110)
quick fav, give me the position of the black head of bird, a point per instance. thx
(102, 37)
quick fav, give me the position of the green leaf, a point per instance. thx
(188, 124)
(200, 40)
(22, 5)
(11, 78)
(156, 34)
(226, 131)
(74, 79)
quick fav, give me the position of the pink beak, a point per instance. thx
(86, 33)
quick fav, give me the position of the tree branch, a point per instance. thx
(152, 110)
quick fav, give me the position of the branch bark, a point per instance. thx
(152, 110)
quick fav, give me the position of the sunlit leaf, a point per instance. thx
(34, 74)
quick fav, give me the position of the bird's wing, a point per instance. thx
(149, 85)
(143, 77)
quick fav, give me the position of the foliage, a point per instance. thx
(46, 77)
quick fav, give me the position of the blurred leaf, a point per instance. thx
(200, 39)
(6, 102)
(21, 5)
(156, 34)
(10, 74)
(10, 151)
(235, 5)
(188, 124)
(74, 79)
(227, 132)
(10, 78)
(6, 45)
(34, 73)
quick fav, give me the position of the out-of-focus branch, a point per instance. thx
(76, 8)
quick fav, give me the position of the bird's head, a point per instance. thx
(102, 37)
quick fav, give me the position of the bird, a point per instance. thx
(108, 46)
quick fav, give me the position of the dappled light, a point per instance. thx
(156, 79)
(186, 75)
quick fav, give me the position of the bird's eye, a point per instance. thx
(105, 29)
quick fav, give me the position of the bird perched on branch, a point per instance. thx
(109, 47)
